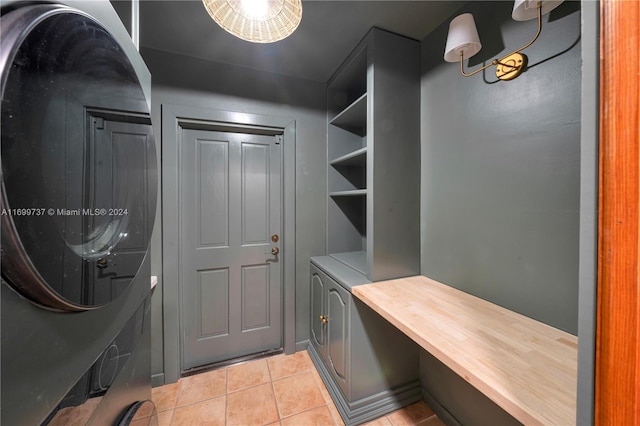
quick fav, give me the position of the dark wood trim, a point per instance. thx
(617, 400)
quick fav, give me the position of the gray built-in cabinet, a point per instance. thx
(367, 365)
(373, 228)
(373, 149)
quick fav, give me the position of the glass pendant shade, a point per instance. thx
(257, 21)
(463, 38)
(524, 10)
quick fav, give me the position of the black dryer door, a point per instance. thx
(79, 172)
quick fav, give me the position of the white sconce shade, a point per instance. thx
(524, 10)
(463, 41)
(463, 37)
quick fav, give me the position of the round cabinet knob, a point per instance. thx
(324, 319)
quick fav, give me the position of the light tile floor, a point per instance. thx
(281, 390)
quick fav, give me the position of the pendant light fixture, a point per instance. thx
(257, 21)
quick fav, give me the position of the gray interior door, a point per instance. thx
(119, 177)
(230, 214)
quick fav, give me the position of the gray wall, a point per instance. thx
(194, 82)
(500, 208)
(501, 167)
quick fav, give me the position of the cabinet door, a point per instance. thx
(338, 332)
(318, 289)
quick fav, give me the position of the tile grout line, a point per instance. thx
(326, 396)
(308, 370)
(226, 397)
(311, 370)
(175, 402)
(273, 391)
(306, 410)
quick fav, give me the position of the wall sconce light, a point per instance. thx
(463, 41)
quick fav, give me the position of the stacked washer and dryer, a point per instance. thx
(79, 184)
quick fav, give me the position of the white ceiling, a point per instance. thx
(328, 32)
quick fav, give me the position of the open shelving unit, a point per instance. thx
(373, 151)
(347, 156)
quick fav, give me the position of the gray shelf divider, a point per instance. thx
(354, 117)
(352, 193)
(357, 158)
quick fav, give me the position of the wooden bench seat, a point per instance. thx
(526, 367)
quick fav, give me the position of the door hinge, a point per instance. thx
(99, 123)
(279, 139)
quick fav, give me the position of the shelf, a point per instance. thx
(354, 117)
(351, 193)
(356, 158)
(356, 260)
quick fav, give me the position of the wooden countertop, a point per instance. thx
(526, 367)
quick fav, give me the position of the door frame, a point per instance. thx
(617, 369)
(175, 118)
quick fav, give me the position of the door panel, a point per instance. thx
(213, 319)
(337, 331)
(230, 282)
(317, 309)
(255, 194)
(213, 193)
(255, 297)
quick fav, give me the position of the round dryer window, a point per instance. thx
(79, 173)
